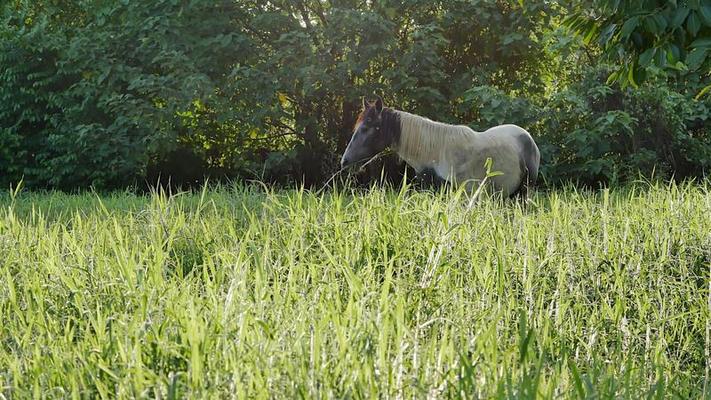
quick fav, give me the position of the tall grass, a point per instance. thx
(248, 292)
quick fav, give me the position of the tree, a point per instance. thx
(100, 93)
(649, 37)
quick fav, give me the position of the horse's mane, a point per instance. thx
(422, 139)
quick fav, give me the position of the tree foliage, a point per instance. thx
(115, 93)
(649, 37)
(92, 90)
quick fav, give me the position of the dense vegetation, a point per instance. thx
(252, 290)
(115, 93)
(261, 294)
(670, 37)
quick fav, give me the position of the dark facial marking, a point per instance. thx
(375, 131)
(372, 118)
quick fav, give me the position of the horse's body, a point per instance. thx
(453, 153)
(457, 154)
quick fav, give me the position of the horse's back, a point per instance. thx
(530, 154)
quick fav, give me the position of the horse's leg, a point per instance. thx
(523, 193)
(428, 178)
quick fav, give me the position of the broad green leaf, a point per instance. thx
(695, 58)
(646, 57)
(640, 75)
(703, 42)
(607, 33)
(705, 12)
(572, 22)
(629, 26)
(679, 16)
(679, 66)
(693, 23)
(662, 22)
(673, 53)
(655, 24)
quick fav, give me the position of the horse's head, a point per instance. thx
(371, 136)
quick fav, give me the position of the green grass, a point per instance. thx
(254, 293)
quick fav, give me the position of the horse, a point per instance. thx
(455, 154)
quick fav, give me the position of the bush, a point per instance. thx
(592, 132)
(90, 101)
(110, 94)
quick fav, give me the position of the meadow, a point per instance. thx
(252, 292)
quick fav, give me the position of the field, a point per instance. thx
(250, 292)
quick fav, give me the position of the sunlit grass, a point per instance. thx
(254, 293)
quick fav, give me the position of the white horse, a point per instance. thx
(453, 153)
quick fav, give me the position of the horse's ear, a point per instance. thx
(379, 104)
(365, 104)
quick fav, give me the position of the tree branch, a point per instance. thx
(258, 139)
(281, 125)
(320, 13)
(305, 15)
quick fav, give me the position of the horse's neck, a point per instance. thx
(425, 143)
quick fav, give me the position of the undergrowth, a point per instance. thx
(250, 292)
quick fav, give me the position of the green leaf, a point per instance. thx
(640, 75)
(679, 16)
(668, 55)
(679, 66)
(693, 23)
(703, 92)
(630, 76)
(607, 33)
(646, 57)
(571, 22)
(703, 42)
(661, 22)
(629, 26)
(705, 11)
(591, 34)
(696, 58)
(661, 57)
(655, 24)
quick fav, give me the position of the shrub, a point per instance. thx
(592, 132)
